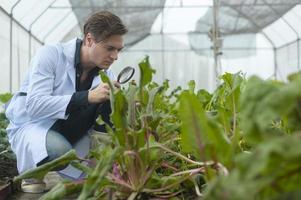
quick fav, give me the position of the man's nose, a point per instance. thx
(114, 55)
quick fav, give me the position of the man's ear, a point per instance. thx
(89, 40)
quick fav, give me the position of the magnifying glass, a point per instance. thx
(125, 75)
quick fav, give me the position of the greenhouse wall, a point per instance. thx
(20, 54)
(170, 43)
(259, 63)
(287, 60)
(172, 60)
(4, 58)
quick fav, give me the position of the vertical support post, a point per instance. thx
(11, 47)
(216, 40)
(275, 63)
(298, 51)
(162, 45)
(11, 53)
(18, 59)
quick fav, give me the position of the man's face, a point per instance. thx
(104, 53)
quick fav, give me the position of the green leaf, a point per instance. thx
(204, 97)
(4, 98)
(63, 189)
(42, 170)
(81, 167)
(96, 177)
(106, 79)
(200, 135)
(119, 116)
(191, 85)
(150, 104)
(271, 170)
(120, 111)
(131, 98)
(294, 76)
(266, 105)
(233, 81)
(146, 72)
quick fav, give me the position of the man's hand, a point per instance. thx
(99, 94)
(116, 84)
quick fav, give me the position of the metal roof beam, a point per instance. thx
(197, 49)
(21, 26)
(56, 25)
(256, 25)
(293, 29)
(174, 6)
(264, 34)
(34, 21)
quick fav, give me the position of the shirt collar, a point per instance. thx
(77, 64)
(77, 53)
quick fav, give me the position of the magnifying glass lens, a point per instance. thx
(125, 75)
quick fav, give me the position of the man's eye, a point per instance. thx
(110, 48)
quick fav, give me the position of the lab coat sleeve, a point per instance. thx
(40, 102)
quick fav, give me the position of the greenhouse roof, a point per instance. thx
(53, 20)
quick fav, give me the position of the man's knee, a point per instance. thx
(56, 146)
(57, 151)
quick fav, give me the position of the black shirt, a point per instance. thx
(79, 70)
(81, 113)
(80, 97)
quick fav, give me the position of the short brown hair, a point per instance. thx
(104, 24)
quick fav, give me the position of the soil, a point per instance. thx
(8, 168)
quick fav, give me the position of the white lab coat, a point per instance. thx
(49, 85)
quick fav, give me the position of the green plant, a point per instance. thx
(240, 142)
(5, 149)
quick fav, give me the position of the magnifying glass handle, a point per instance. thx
(117, 84)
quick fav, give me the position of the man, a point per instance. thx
(62, 96)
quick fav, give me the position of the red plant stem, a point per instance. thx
(167, 165)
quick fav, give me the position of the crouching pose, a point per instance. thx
(62, 95)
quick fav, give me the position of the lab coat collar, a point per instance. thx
(69, 49)
(69, 52)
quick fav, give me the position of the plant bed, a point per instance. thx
(8, 165)
(8, 170)
(243, 141)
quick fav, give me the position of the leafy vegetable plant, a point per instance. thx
(240, 142)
